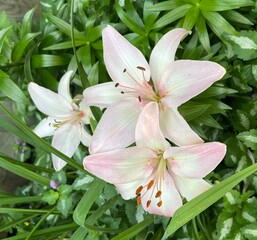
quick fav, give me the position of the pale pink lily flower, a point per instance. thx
(174, 83)
(158, 174)
(65, 119)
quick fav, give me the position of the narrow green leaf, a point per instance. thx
(81, 211)
(172, 16)
(126, 19)
(46, 60)
(20, 46)
(133, 231)
(11, 90)
(149, 16)
(236, 17)
(3, 34)
(27, 23)
(15, 200)
(222, 5)
(130, 10)
(206, 199)
(65, 27)
(23, 172)
(191, 17)
(166, 5)
(203, 33)
(191, 111)
(65, 45)
(218, 24)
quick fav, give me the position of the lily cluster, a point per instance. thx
(141, 107)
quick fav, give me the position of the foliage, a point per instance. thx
(67, 36)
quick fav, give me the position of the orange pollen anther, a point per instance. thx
(139, 189)
(158, 194)
(141, 68)
(148, 203)
(159, 204)
(138, 200)
(150, 184)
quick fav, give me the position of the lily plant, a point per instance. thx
(66, 118)
(157, 174)
(165, 81)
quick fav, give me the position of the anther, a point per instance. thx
(138, 200)
(158, 194)
(150, 184)
(122, 92)
(124, 70)
(139, 98)
(117, 84)
(148, 203)
(141, 68)
(139, 189)
(159, 204)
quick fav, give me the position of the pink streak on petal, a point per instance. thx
(66, 139)
(184, 79)
(103, 95)
(195, 161)
(86, 112)
(176, 129)
(170, 197)
(121, 165)
(148, 132)
(48, 102)
(189, 187)
(64, 86)
(164, 53)
(116, 129)
(119, 54)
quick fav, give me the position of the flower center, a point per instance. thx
(155, 186)
(139, 88)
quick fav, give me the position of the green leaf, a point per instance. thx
(236, 17)
(250, 231)
(50, 197)
(23, 172)
(65, 45)
(65, 27)
(20, 46)
(64, 205)
(218, 24)
(222, 5)
(15, 200)
(249, 138)
(81, 211)
(3, 34)
(46, 60)
(27, 23)
(191, 18)
(133, 231)
(128, 21)
(206, 199)
(166, 5)
(191, 111)
(172, 16)
(11, 90)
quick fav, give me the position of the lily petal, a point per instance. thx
(83, 107)
(45, 127)
(189, 187)
(64, 86)
(85, 137)
(164, 53)
(66, 139)
(195, 161)
(116, 129)
(184, 79)
(119, 54)
(102, 95)
(170, 198)
(148, 132)
(176, 129)
(118, 166)
(48, 102)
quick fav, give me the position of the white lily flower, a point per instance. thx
(66, 119)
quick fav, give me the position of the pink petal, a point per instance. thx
(170, 198)
(83, 107)
(195, 161)
(148, 132)
(184, 79)
(64, 86)
(66, 139)
(176, 129)
(121, 165)
(48, 102)
(189, 187)
(45, 127)
(164, 53)
(116, 129)
(119, 54)
(103, 95)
